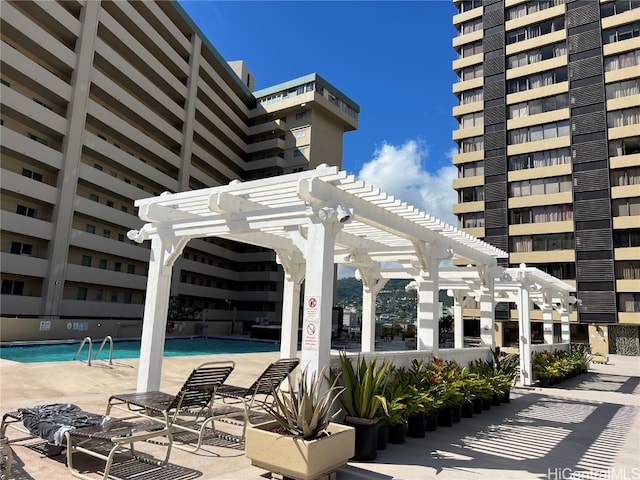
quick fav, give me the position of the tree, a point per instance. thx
(180, 310)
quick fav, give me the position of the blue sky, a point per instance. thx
(392, 58)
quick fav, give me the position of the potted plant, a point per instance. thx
(301, 441)
(363, 401)
(394, 418)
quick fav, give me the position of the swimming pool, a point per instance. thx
(174, 347)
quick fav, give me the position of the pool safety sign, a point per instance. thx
(311, 323)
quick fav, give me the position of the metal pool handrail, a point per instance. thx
(107, 338)
(75, 357)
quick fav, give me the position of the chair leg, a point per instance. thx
(4, 441)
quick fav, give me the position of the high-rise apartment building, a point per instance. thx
(105, 102)
(549, 147)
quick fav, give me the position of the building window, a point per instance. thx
(469, 73)
(625, 207)
(626, 238)
(4, 82)
(563, 271)
(99, 294)
(540, 186)
(117, 267)
(534, 31)
(539, 132)
(114, 296)
(110, 203)
(90, 229)
(93, 197)
(471, 220)
(103, 263)
(539, 105)
(12, 287)
(628, 270)
(467, 5)
(545, 158)
(471, 194)
(106, 233)
(622, 60)
(37, 139)
(471, 26)
(471, 169)
(538, 80)
(543, 243)
(131, 269)
(82, 294)
(623, 89)
(470, 49)
(97, 166)
(127, 297)
(299, 152)
(300, 133)
(18, 248)
(624, 146)
(121, 237)
(471, 96)
(86, 261)
(300, 115)
(470, 120)
(625, 176)
(623, 118)
(32, 175)
(621, 33)
(472, 144)
(629, 302)
(552, 213)
(536, 55)
(528, 8)
(615, 8)
(27, 211)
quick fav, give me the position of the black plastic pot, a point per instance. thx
(445, 417)
(398, 433)
(416, 425)
(366, 448)
(467, 409)
(431, 422)
(383, 437)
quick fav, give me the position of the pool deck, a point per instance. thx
(587, 428)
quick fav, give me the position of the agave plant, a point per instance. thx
(363, 394)
(305, 410)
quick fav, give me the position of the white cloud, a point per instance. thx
(401, 171)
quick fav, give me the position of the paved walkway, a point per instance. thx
(587, 428)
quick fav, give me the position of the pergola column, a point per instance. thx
(318, 301)
(458, 320)
(524, 328)
(487, 309)
(371, 286)
(294, 271)
(164, 252)
(547, 320)
(565, 326)
(428, 309)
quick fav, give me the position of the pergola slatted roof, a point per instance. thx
(265, 213)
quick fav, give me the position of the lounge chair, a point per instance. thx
(190, 410)
(67, 426)
(257, 396)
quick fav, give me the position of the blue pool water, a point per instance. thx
(175, 347)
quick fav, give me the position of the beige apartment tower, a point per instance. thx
(105, 102)
(549, 149)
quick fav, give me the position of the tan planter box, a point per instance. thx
(297, 458)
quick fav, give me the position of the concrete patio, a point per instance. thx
(586, 428)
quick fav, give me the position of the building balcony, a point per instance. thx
(627, 253)
(271, 144)
(623, 46)
(536, 42)
(539, 172)
(539, 119)
(539, 145)
(468, 132)
(467, 84)
(540, 200)
(465, 38)
(625, 191)
(460, 110)
(621, 18)
(272, 126)
(468, 207)
(468, 157)
(623, 161)
(461, 63)
(13, 305)
(466, 16)
(23, 265)
(474, 181)
(632, 285)
(632, 318)
(626, 222)
(623, 132)
(550, 256)
(540, 228)
(537, 67)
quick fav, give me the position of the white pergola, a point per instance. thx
(313, 220)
